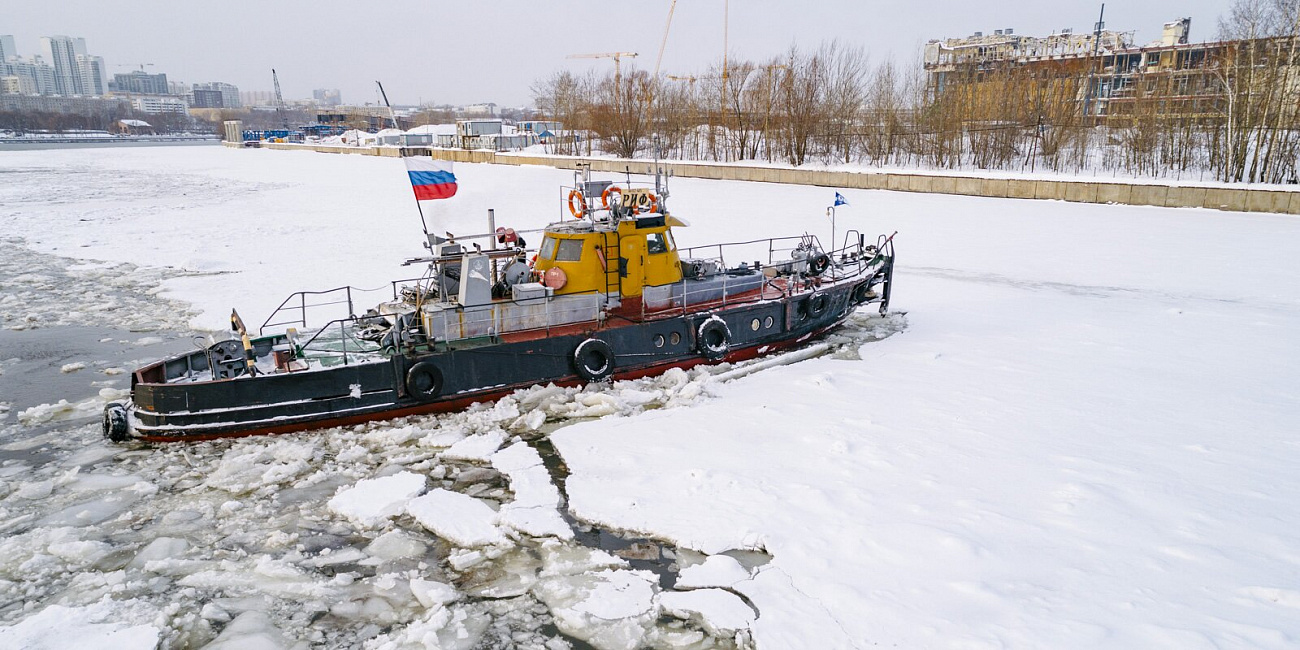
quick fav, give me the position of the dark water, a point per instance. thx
(34, 358)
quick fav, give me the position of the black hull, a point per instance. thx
(360, 392)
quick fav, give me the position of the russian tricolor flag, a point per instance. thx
(431, 179)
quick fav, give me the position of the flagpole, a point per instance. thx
(423, 224)
(830, 211)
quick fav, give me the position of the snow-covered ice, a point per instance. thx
(461, 519)
(372, 501)
(714, 571)
(1084, 437)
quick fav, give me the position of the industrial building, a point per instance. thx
(1117, 78)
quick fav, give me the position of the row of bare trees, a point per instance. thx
(1233, 115)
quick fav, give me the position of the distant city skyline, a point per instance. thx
(428, 51)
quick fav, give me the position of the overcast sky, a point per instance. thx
(467, 52)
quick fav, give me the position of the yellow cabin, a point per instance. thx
(611, 256)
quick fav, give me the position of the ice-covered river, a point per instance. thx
(1081, 434)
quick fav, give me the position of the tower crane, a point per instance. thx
(279, 100)
(617, 56)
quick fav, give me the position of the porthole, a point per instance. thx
(659, 340)
(754, 324)
(675, 338)
(767, 323)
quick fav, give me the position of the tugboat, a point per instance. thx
(605, 295)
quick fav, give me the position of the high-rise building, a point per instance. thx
(76, 72)
(327, 96)
(178, 88)
(139, 81)
(229, 92)
(90, 75)
(39, 75)
(7, 48)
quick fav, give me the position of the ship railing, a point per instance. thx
(295, 309)
(329, 345)
(850, 260)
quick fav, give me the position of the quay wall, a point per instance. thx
(1242, 199)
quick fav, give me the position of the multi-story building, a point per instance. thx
(39, 75)
(1114, 77)
(90, 75)
(229, 93)
(55, 104)
(257, 98)
(159, 104)
(327, 96)
(7, 48)
(139, 81)
(206, 99)
(15, 85)
(75, 71)
(60, 50)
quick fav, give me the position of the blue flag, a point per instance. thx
(840, 200)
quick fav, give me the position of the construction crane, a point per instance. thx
(664, 43)
(617, 56)
(279, 100)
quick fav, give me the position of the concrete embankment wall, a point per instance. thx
(1083, 191)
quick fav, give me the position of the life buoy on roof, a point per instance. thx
(593, 360)
(713, 339)
(581, 208)
(424, 381)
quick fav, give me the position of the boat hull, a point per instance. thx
(361, 392)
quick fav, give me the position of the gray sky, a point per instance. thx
(470, 52)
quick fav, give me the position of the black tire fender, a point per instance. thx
(117, 426)
(424, 381)
(713, 339)
(818, 303)
(593, 360)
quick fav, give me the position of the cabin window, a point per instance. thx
(570, 250)
(548, 249)
(660, 242)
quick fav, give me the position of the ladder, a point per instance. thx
(614, 267)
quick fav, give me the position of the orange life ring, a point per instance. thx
(581, 208)
(604, 196)
(654, 202)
